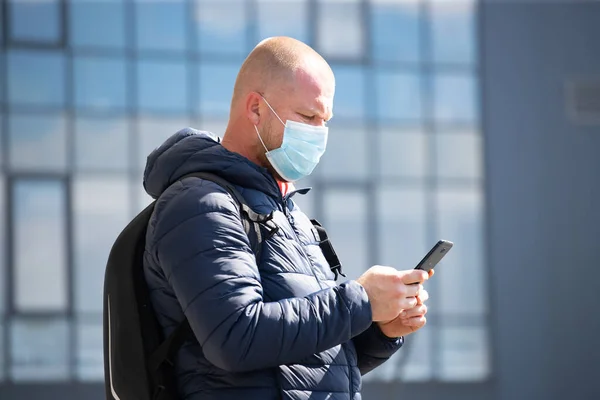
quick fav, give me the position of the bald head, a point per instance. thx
(274, 63)
(296, 82)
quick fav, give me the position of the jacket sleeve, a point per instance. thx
(373, 348)
(206, 257)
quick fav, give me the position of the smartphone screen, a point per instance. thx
(435, 255)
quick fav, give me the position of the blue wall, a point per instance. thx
(543, 178)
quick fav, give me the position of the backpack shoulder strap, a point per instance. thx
(327, 248)
(251, 221)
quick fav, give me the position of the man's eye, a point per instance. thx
(307, 117)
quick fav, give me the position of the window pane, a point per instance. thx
(216, 126)
(90, 353)
(2, 346)
(160, 25)
(37, 142)
(402, 153)
(39, 349)
(346, 155)
(349, 99)
(3, 85)
(100, 83)
(102, 143)
(162, 86)
(453, 32)
(221, 26)
(3, 249)
(461, 277)
(216, 88)
(143, 199)
(455, 98)
(411, 364)
(465, 354)
(395, 31)
(35, 21)
(398, 96)
(152, 132)
(402, 226)
(345, 219)
(97, 23)
(101, 211)
(340, 29)
(283, 18)
(39, 219)
(459, 155)
(36, 78)
(2, 136)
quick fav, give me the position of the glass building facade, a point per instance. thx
(88, 88)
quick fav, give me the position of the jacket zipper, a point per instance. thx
(284, 200)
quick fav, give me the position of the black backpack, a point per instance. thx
(138, 360)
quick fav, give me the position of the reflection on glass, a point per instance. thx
(349, 99)
(40, 350)
(465, 355)
(221, 26)
(216, 88)
(100, 83)
(37, 142)
(402, 226)
(340, 29)
(101, 211)
(35, 21)
(398, 96)
(345, 216)
(97, 23)
(283, 18)
(453, 32)
(402, 153)
(36, 78)
(160, 25)
(458, 155)
(455, 98)
(101, 143)
(162, 86)
(346, 157)
(39, 221)
(152, 132)
(395, 31)
(460, 279)
(90, 353)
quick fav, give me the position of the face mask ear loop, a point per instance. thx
(272, 110)
(259, 138)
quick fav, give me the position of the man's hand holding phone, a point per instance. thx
(397, 297)
(409, 320)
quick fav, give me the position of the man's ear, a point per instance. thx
(253, 108)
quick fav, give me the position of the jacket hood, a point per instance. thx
(190, 150)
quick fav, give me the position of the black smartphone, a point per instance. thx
(435, 255)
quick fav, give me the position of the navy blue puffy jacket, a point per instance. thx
(281, 329)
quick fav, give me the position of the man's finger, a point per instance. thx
(414, 276)
(416, 322)
(417, 311)
(422, 297)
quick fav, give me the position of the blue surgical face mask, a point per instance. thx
(301, 149)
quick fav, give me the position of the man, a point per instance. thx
(279, 328)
